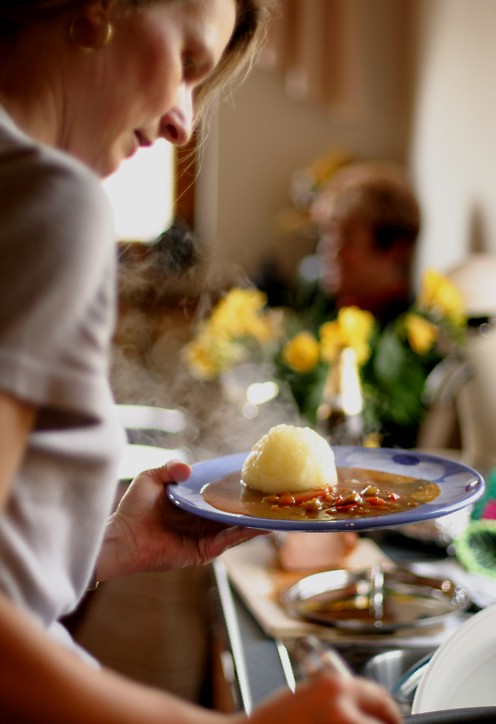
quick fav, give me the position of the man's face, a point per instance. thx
(354, 270)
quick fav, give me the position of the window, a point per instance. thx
(142, 193)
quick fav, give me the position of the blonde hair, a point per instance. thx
(252, 20)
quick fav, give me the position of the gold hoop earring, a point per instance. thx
(87, 36)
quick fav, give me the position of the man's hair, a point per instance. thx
(381, 197)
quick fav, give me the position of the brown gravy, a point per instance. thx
(358, 493)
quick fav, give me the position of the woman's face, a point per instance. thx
(144, 79)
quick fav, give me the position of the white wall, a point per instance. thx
(453, 147)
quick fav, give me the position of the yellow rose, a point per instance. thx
(208, 356)
(326, 166)
(225, 338)
(236, 314)
(357, 325)
(302, 352)
(201, 359)
(421, 333)
(362, 352)
(352, 328)
(263, 328)
(330, 340)
(439, 294)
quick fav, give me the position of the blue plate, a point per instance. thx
(460, 486)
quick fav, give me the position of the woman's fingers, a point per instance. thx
(173, 471)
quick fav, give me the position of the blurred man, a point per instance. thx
(369, 220)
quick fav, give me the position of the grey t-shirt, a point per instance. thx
(57, 299)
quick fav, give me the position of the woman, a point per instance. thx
(83, 84)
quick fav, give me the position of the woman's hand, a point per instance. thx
(148, 532)
(331, 700)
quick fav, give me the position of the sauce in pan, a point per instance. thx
(358, 493)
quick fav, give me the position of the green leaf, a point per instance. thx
(388, 359)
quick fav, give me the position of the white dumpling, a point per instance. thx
(289, 458)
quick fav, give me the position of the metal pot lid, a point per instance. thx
(374, 600)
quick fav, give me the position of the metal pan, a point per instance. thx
(374, 600)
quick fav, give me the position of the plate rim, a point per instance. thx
(231, 462)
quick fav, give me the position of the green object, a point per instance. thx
(475, 547)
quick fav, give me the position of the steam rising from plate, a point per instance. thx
(162, 292)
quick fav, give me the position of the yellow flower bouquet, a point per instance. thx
(394, 361)
(240, 328)
(403, 355)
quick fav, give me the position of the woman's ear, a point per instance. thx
(92, 29)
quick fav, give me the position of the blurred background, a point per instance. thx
(407, 82)
(410, 81)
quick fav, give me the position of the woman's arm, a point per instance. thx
(16, 421)
(41, 681)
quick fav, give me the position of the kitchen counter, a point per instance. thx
(262, 663)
